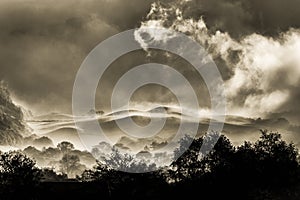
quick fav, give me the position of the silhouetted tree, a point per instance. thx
(112, 174)
(276, 160)
(127, 163)
(187, 164)
(18, 174)
(70, 164)
(65, 147)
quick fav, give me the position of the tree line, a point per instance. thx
(265, 169)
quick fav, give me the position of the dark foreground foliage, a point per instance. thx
(266, 169)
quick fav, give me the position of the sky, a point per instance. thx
(43, 44)
(255, 45)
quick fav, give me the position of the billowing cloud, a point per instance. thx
(261, 73)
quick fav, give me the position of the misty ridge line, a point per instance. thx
(156, 112)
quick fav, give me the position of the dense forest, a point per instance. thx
(265, 169)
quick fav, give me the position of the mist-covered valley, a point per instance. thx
(41, 137)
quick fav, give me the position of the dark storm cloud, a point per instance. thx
(240, 17)
(44, 42)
